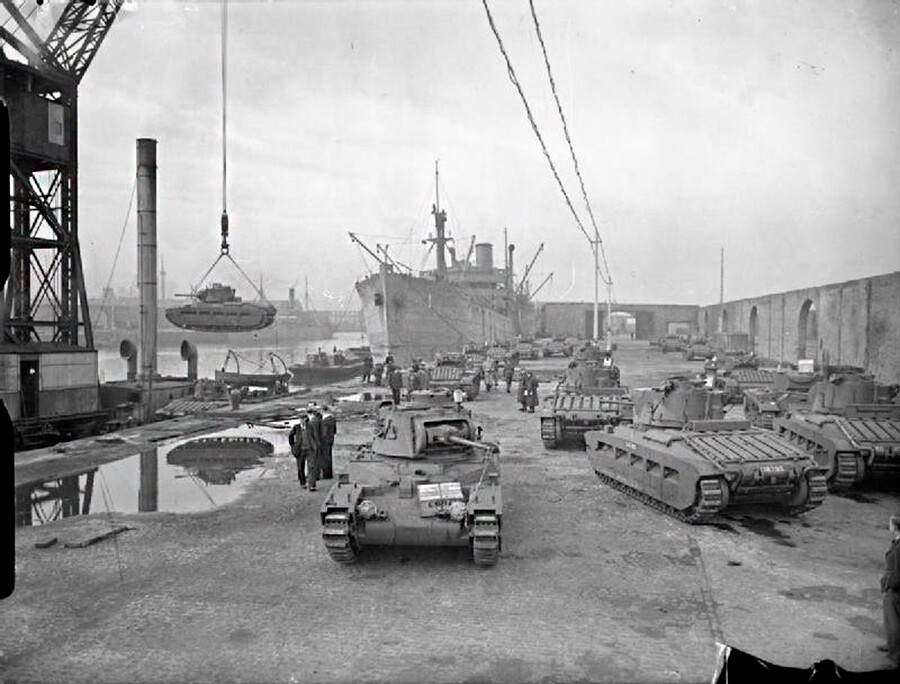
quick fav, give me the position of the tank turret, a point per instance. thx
(678, 402)
(681, 456)
(427, 479)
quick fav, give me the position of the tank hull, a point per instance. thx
(221, 316)
(426, 480)
(851, 448)
(695, 474)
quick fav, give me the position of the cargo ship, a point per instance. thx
(413, 315)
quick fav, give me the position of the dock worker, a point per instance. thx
(890, 587)
(395, 382)
(368, 367)
(531, 395)
(377, 373)
(523, 386)
(329, 430)
(316, 444)
(300, 448)
(509, 372)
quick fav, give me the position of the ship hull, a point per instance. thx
(412, 318)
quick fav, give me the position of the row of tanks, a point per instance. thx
(672, 447)
(429, 478)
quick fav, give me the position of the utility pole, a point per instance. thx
(722, 290)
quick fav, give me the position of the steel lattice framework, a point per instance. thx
(45, 299)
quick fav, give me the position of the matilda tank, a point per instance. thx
(682, 457)
(589, 397)
(851, 426)
(426, 479)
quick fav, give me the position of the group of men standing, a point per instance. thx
(312, 441)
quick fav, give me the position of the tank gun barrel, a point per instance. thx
(486, 446)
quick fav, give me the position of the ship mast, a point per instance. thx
(440, 219)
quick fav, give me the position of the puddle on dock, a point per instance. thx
(191, 476)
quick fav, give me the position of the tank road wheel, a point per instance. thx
(486, 539)
(339, 541)
(811, 492)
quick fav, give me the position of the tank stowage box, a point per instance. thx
(681, 457)
(851, 428)
(427, 479)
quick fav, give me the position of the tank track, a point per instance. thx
(846, 473)
(818, 489)
(339, 541)
(486, 540)
(704, 511)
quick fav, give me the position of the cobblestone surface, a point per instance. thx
(590, 586)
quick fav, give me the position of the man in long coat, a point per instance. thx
(531, 395)
(890, 586)
(329, 430)
(300, 448)
(316, 444)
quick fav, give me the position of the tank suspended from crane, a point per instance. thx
(216, 308)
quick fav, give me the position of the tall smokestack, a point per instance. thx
(146, 226)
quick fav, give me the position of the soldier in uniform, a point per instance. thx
(890, 586)
(523, 386)
(329, 430)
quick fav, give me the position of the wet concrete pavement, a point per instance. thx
(591, 585)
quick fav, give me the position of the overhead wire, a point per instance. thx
(537, 27)
(515, 81)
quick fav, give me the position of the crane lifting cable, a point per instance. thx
(216, 308)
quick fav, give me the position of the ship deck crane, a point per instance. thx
(521, 286)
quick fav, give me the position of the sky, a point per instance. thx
(769, 129)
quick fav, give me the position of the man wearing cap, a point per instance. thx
(890, 586)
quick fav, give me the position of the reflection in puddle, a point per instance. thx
(194, 476)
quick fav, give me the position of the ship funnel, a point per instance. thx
(146, 244)
(189, 354)
(484, 256)
(128, 351)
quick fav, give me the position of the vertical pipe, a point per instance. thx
(146, 226)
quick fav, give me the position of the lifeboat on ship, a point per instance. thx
(217, 309)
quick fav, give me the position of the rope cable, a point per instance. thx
(112, 270)
(537, 27)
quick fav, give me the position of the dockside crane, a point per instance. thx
(45, 299)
